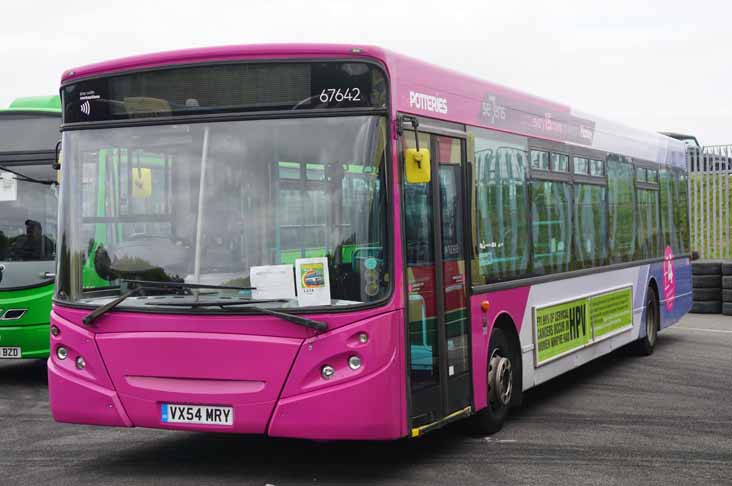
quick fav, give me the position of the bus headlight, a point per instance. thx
(327, 372)
(80, 363)
(354, 362)
(62, 353)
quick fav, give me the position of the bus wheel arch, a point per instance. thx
(504, 370)
(653, 286)
(651, 321)
(506, 323)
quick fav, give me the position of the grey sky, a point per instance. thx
(658, 64)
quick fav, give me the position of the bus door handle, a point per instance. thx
(48, 275)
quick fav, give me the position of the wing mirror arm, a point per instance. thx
(414, 121)
(416, 160)
(57, 159)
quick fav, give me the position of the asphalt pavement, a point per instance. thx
(622, 419)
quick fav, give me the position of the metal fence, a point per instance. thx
(710, 200)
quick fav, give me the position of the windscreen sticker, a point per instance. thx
(313, 281)
(370, 263)
(569, 326)
(272, 282)
(85, 97)
(8, 187)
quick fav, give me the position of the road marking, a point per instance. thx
(723, 331)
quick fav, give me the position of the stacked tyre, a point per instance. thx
(727, 288)
(706, 279)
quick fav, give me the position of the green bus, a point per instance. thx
(29, 131)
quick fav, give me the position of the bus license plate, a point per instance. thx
(196, 414)
(9, 353)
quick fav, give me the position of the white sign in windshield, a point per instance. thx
(8, 187)
(272, 282)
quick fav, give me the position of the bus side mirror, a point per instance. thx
(57, 159)
(417, 165)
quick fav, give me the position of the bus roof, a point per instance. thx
(431, 91)
(45, 104)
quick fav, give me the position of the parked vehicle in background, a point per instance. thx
(29, 131)
(689, 140)
(336, 242)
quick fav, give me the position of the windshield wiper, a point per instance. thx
(216, 303)
(183, 285)
(26, 178)
(295, 319)
(149, 285)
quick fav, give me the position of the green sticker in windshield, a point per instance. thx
(370, 263)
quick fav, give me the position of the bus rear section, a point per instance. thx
(28, 210)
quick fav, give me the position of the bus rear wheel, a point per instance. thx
(645, 345)
(501, 383)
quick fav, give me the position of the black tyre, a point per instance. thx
(706, 268)
(727, 308)
(727, 268)
(706, 307)
(726, 295)
(707, 294)
(706, 281)
(502, 381)
(645, 345)
(727, 282)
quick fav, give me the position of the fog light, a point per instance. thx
(354, 362)
(327, 372)
(80, 363)
(62, 353)
(55, 331)
(363, 338)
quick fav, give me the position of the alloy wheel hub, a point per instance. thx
(500, 380)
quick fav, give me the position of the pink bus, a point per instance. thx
(338, 242)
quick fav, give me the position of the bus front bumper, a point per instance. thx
(31, 339)
(366, 404)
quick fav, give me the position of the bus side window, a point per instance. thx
(551, 218)
(667, 207)
(590, 227)
(621, 199)
(501, 201)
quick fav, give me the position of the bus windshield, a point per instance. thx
(27, 132)
(28, 201)
(208, 203)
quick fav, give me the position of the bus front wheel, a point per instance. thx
(501, 383)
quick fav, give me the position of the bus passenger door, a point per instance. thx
(438, 362)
